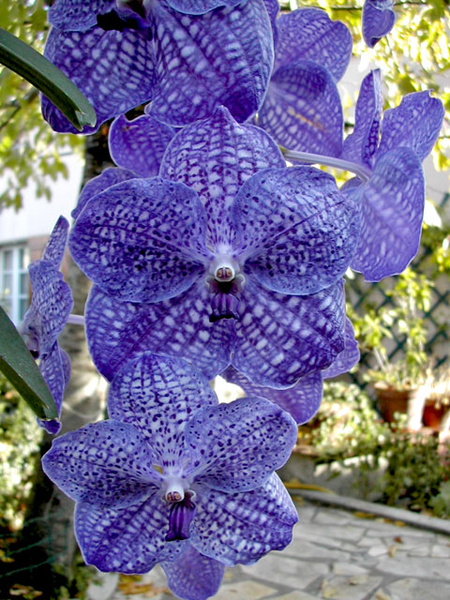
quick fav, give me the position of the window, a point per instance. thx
(14, 281)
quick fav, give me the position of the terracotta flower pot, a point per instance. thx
(407, 401)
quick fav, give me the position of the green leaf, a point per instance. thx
(51, 81)
(19, 367)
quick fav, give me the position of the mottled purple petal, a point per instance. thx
(392, 204)
(77, 15)
(346, 359)
(50, 307)
(309, 34)
(142, 240)
(302, 110)
(113, 69)
(301, 401)
(94, 186)
(361, 144)
(377, 20)
(107, 464)
(56, 245)
(240, 443)
(223, 57)
(215, 157)
(116, 331)
(414, 124)
(251, 524)
(199, 7)
(296, 231)
(139, 145)
(193, 576)
(158, 395)
(55, 369)
(280, 338)
(130, 540)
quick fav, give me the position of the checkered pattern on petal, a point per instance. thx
(302, 110)
(158, 396)
(240, 443)
(127, 540)
(296, 231)
(215, 157)
(223, 57)
(116, 331)
(142, 240)
(114, 69)
(392, 204)
(309, 34)
(250, 524)
(280, 338)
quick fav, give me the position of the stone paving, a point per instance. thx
(336, 554)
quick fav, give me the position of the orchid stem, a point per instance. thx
(328, 161)
(76, 319)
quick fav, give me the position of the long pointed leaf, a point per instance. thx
(18, 366)
(40, 72)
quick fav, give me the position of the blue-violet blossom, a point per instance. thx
(122, 54)
(46, 317)
(172, 471)
(378, 19)
(390, 151)
(302, 109)
(227, 257)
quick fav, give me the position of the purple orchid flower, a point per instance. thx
(378, 19)
(229, 256)
(302, 400)
(302, 109)
(46, 317)
(393, 194)
(174, 477)
(123, 54)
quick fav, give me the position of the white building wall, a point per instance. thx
(38, 215)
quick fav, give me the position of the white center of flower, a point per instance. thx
(224, 268)
(175, 486)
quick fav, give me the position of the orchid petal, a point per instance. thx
(215, 157)
(273, 8)
(158, 395)
(107, 464)
(183, 575)
(199, 7)
(94, 186)
(283, 338)
(360, 146)
(240, 443)
(50, 308)
(55, 369)
(222, 57)
(116, 331)
(392, 204)
(113, 69)
(302, 110)
(251, 524)
(378, 19)
(301, 401)
(139, 145)
(56, 245)
(130, 540)
(77, 15)
(414, 124)
(346, 359)
(141, 240)
(296, 231)
(309, 34)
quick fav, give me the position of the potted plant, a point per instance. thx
(437, 403)
(400, 386)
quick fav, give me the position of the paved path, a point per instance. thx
(336, 554)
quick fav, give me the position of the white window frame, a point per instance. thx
(14, 294)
